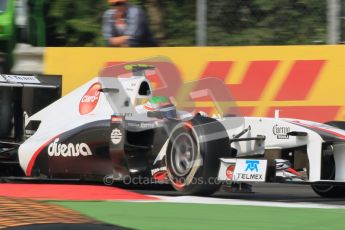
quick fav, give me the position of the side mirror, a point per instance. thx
(109, 90)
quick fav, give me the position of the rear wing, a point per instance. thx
(33, 81)
(22, 96)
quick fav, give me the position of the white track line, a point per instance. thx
(222, 201)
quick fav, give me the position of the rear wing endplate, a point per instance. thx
(33, 81)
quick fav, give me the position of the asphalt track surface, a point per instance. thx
(287, 193)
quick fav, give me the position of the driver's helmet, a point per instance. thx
(161, 104)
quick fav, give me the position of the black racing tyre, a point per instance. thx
(328, 173)
(329, 191)
(193, 154)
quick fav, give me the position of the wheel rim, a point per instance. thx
(182, 154)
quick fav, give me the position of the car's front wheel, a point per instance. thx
(328, 173)
(193, 154)
(328, 170)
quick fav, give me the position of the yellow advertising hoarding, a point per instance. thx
(301, 81)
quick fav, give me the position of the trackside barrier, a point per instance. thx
(304, 82)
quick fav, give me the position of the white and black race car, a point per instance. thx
(114, 127)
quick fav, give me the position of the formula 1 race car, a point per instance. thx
(113, 127)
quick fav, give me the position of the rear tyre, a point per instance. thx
(193, 164)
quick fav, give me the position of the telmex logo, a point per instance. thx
(252, 165)
(90, 99)
(68, 150)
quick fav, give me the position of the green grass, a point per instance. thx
(203, 216)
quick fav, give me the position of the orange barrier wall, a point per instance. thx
(302, 81)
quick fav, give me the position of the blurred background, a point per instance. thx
(68, 23)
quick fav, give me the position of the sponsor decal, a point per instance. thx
(230, 172)
(142, 125)
(281, 132)
(90, 99)
(159, 174)
(154, 171)
(116, 136)
(242, 176)
(252, 165)
(21, 79)
(56, 149)
(116, 119)
(250, 170)
(146, 125)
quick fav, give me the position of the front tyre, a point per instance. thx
(193, 154)
(328, 173)
(329, 191)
